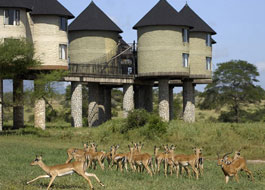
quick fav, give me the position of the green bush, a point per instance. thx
(155, 127)
(136, 119)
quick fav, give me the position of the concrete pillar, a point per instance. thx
(107, 103)
(188, 101)
(76, 104)
(128, 99)
(144, 97)
(148, 98)
(1, 105)
(171, 103)
(18, 108)
(96, 109)
(39, 112)
(164, 100)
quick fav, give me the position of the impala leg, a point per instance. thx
(195, 171)
(94, 175)
(226, 179)
(42, 176)
(100, 163)
(236, 176)
(249, 173)
(177, 172)
(187, 171)
(52, 179)
(148, 169)
(158, 166)
(88, 180)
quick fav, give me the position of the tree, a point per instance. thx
(16, 57)
(233, 86)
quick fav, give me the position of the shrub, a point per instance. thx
(155, 127)
(136, 119)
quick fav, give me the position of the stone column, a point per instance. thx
(107, 103)
(1, 105)
(128, 99)
(188, 101)
(18, 108)
(76, 104)
(171, 103)
(96, 109)
(164, 100)
(39, 112)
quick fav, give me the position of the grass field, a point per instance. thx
(18, 149)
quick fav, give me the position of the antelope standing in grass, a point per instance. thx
(232, 169)
(62, 170)
(159, 157)
(137, 159)
(188, 160)
(70, 152)
(94, 157)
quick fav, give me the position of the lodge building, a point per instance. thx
(172, 49)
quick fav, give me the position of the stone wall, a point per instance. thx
(188, 101)
(128, 99)
(40, 114)
(76, 104)
(164, 100)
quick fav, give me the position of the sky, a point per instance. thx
(239, 24)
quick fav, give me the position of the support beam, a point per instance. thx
(143, 97)
(107, 103)
(18, 108)
(1, 105)
(76, 104)
(128, 99)
(164, 100)
(188, 101)
(96, 110)
(171, 102)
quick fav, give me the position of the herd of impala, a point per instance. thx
(138, 161)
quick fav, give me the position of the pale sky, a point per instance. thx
(239, 24)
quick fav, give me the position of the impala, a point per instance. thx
(94, 156)
(137, 159)
(159, 157)
(62, 170)
(188, 160)
(70, 152)
(232, 169)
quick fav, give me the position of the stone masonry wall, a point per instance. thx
(164, 100)
(76, 104)
(128, 99)
(40, 114)
(188, 101)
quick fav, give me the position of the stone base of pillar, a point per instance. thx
(164, 100)
(1, 105)
(188, 101)
(18, 109)
(96, 109)
(76, 104)
(40, 114)
(128, 99)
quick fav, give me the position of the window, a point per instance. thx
(63, 24)
(130, 70)
(11, 17)
(185, 57)
(208, 63)
(63, 51)
(185, 35)
(208, 40)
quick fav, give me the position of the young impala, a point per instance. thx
(62, 170)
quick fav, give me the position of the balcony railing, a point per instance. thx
(102, 69)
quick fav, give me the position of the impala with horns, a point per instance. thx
(234, 167)
(62, 170)
(70, 152)
(159, 157)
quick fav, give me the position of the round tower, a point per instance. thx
(50, 33)
(160, 43)
(14, 19)
(93, 37)
(200, 43)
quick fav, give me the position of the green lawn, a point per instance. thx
(17, 151)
